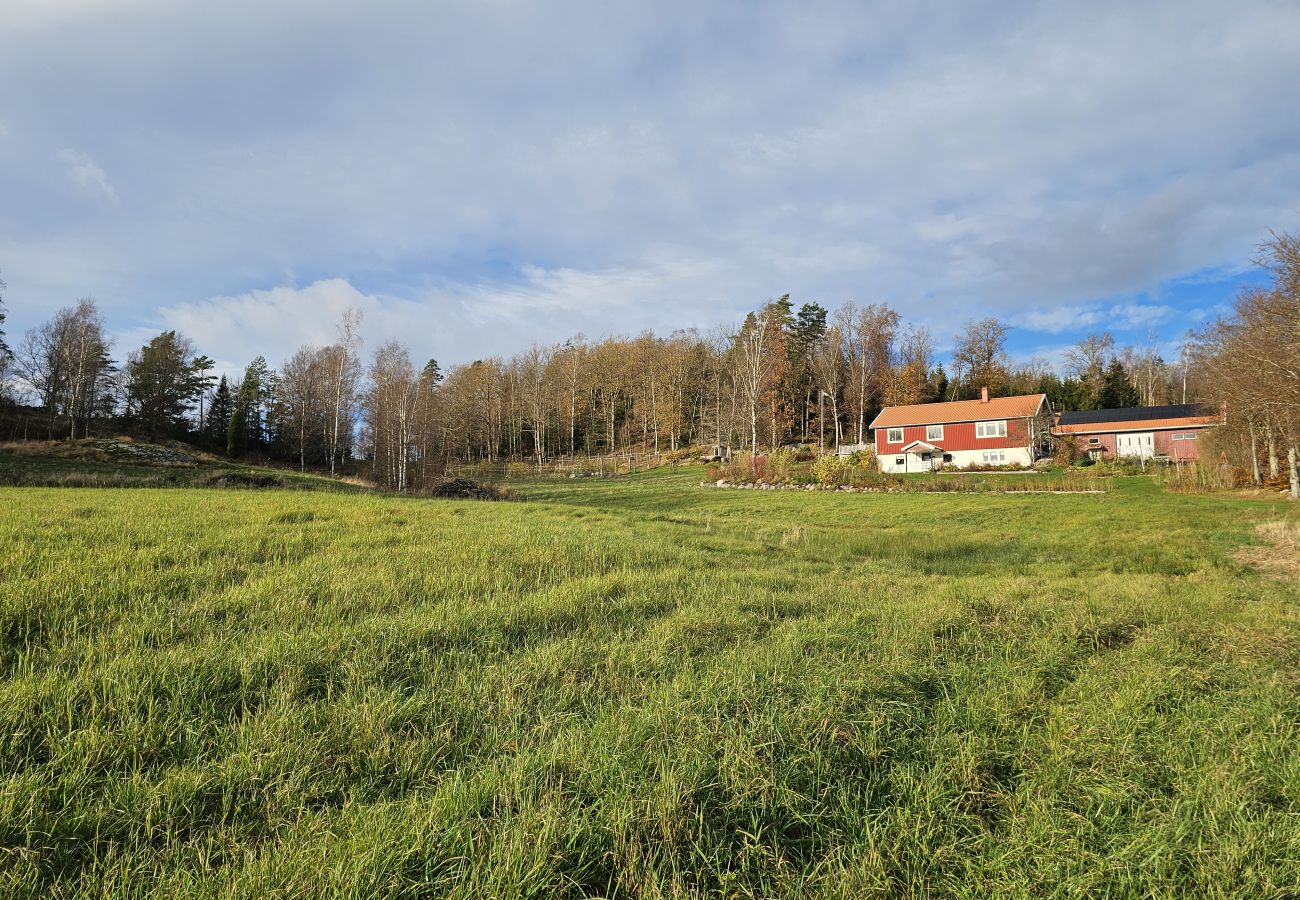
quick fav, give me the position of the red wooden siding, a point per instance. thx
(1165, 445)
(957, 436)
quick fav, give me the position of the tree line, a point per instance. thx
(786, 374)
(1252, 357)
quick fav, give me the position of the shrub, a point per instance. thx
(780, 465)
(829, 470)
(740, 468)
(1067, 451)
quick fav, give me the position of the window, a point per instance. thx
(1178, 437)
(947, 457)
(991, 429)
(1094, 440)
(1190, 436)
(995, 456)
(934, 432)
(894, 436)
(899, 461)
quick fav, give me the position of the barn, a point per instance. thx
(1140, 432)
(990, 431)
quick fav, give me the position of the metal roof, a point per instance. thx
(1137, 414)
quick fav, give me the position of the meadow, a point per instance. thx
(641, 687)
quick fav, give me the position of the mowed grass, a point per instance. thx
(640, 687)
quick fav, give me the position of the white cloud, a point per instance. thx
(87, 173)
(1100, 317)
(495, 173)
(270, 323)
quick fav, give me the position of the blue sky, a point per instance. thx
(479, 176)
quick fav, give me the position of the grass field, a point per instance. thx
(640, 687)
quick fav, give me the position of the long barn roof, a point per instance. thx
(1137, 414)
(1137, 418)
(1021, 407)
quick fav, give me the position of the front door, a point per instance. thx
(1140, 445)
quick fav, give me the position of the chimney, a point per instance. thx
(984, 395)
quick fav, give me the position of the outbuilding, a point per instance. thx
(1140, 432)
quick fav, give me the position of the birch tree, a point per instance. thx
(344, 368)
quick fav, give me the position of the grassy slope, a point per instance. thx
(81, 464)
(641, 687)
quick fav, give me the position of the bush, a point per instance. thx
(1067, 451)
(829, 470)
(858, 469)
(739, 469)
(780, 465)
(463, 489)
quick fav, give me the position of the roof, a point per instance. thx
(1021, 407)
(1138, 413)
(1137, 418)
(924, 445)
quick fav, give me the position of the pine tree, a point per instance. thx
(939, 383)
(246, 432)
(219, 413)
(808, 328)
(1117, 391)
(431, 375)
(164, 379)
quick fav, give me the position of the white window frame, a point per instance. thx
(998, 427)
(930, 435)
(889, 435)
(900, 461)
(995, 456)
(1178, 436)
(1190, 436)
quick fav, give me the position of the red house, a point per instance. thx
(1140, 432)
(993, 431)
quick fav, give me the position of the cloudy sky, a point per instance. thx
(483, 175)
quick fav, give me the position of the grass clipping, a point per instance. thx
(1279, 555)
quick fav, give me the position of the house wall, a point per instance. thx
(957, 436)
(911, 462)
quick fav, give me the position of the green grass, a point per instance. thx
(85, 464)
(639, 687)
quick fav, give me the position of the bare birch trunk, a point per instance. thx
(1254, 454)
(1293, 467)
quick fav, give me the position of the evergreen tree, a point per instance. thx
(165, 379)
(1117, 390)
(939, 383)
(219, 413)
(431, 375)
(247, 430)
(808, 327)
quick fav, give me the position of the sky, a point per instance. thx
(480, 176)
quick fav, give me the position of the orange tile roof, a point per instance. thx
(1022, 407)
(1141, 425)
